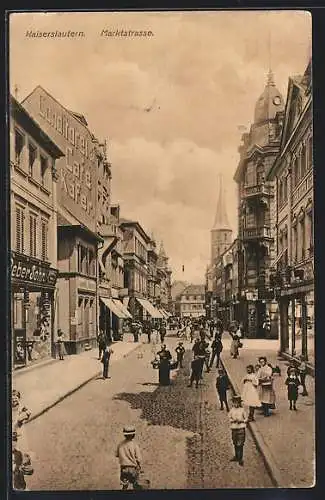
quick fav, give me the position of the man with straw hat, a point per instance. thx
(128, 453)
(238, 420)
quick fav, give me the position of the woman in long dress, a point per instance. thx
(250, 394)
(234, 347)
(164, 365)
(266, 391)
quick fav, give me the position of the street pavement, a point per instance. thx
(288, 436)
(184, 437)
(44, 386)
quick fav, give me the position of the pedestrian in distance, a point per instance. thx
(222, 386)
(101, 340)
(149, 331)
(216, 348)
(235, 344)
(292, 382)
(105, 360)
(60, 343)
(180, 351)
(238, 419)
(162, 332)
(196, 371)
(249, 394)
(302, 375)
(129, 456)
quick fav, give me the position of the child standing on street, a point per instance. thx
(292, 384)
(249, 393)
(238, 419)
(222, 385)
(180, 351)
(128, 453)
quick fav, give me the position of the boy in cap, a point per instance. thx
(238, 419)
(128, 453)
(180, 351)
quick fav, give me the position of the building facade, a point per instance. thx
(83, 195)
(293, 273)
(33, 176)
(256, 213)
(192, 302)
(163, 291)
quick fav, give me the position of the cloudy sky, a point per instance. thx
(170, 105)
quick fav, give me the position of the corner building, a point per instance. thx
(293, 269)
(256, 214)
(78, 212)
(33, 200)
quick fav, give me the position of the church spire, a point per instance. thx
(221, 218)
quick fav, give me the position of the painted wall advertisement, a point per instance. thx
(77, 185)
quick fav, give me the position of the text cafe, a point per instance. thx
(32, 310)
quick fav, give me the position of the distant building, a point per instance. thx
(136, 243)
(176, 290)
(221, 232)
(293, 268)
(34, 268)
(192, 301)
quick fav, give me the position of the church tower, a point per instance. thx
(221, 233)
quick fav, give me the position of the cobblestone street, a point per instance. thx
(184, 437)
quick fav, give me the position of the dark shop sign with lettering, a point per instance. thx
(30, 272)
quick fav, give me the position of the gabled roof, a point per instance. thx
(21, 115)
(194, 290)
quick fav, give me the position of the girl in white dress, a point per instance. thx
(250, 394)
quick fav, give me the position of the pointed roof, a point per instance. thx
(221, 218)
(269, 102)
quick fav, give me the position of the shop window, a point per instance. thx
(80, 310)
(19, 146)
(32, 235)
(20, 228)
(18, 311)
(44, 236)
(44, 165)
(32, 154)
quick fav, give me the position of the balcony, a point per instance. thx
(257, 233)
(258, 190)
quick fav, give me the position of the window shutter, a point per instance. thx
(18, 229)
(44, 249)
(32, 235)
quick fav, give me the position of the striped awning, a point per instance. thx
(113, 307)
(151, 310)
(123, 308)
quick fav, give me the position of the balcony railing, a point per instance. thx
(255, 233)
(258, 190)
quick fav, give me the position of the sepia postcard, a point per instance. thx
(162, 248)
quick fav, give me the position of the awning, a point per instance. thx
(168, 314)
(113, 307)
(123, 308)
(154, 313)
(164, 313)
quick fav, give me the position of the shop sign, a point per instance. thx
(30, 272)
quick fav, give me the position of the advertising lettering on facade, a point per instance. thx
(77, 184)
(30, 272)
